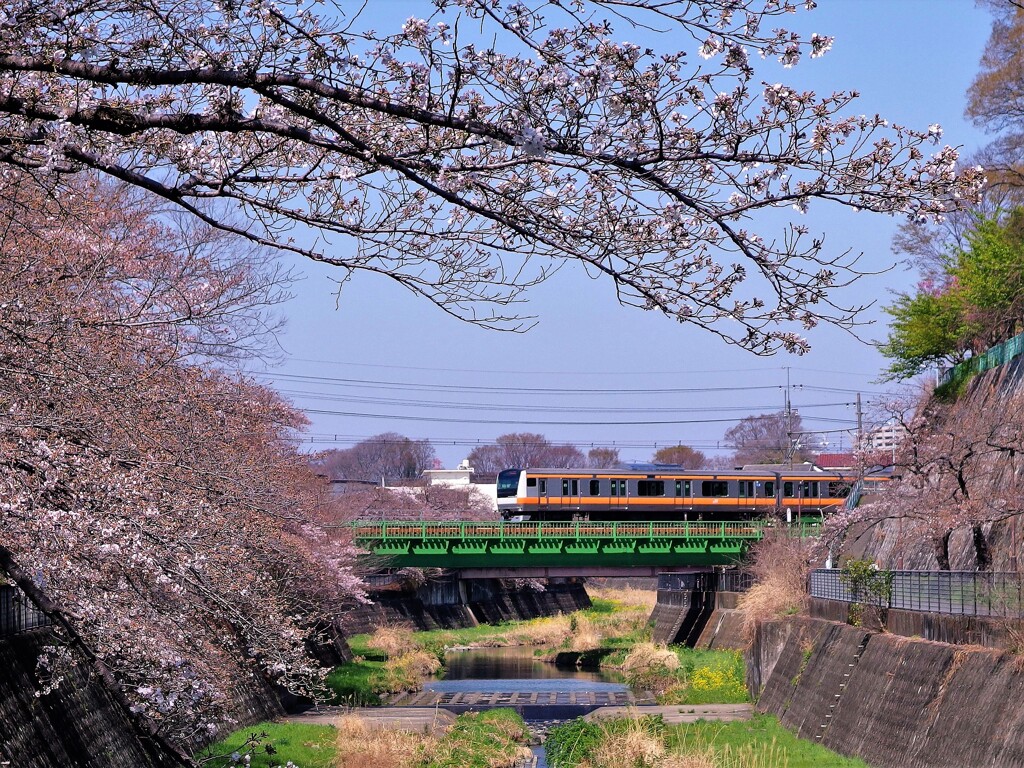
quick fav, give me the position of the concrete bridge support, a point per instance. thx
(692, 610)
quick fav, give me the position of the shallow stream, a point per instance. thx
(517, 670)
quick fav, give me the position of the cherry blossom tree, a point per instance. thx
(957, 469)
(151, 503)
(480, 147)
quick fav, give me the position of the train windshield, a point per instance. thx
(508, 482)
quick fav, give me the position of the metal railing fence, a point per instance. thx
(18, 613)
(992, 357)
(750, 529)
(969, 593)
(723, 581)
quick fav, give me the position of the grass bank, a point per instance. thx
(648, 743)
(491, 739)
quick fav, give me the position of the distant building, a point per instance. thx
(835, 461)
(884, 438)
(460, 476)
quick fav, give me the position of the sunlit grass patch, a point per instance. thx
(275, 744)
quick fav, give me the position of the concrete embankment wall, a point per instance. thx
(451, 603)
(893, 701)
(77, 726)
(698, 618)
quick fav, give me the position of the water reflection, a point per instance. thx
(517, 670)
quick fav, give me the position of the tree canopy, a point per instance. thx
(978, 302)
(995, 100)
(389, 455)
(521, 450)
(480, 147)
(769, 438)
(683, 455)
(156, 508)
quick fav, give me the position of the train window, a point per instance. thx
(787, 489)
(838, 490)
(595, 487)
(570, 487)
(618, 487)
(683, 488)
(531, 482)
(746, 489)
(650, 488)
(543, 487)
(714, 488)
(769, 488)
(810, 488)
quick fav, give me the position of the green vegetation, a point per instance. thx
(579, 741)
(480, 740)
(868, 584)
(275, 744)
(648, 743)
(680, 675)
(761, 734)
(356, 683)
(978, 302)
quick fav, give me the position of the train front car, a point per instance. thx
(508, 493)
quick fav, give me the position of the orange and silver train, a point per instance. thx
(676, 494)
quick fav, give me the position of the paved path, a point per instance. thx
(678, 713)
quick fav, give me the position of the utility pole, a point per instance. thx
(860, 425)
(789, 421)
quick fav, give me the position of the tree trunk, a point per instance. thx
(156, 745)
(982, 553)
(941, 546)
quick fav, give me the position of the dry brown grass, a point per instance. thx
(631, 748)
(406, 672)
(393, 640)
(584, 636)
(780, 565)
(548, 631)
(626, 597)
(703, 758)
(360, 746)
(648, 656)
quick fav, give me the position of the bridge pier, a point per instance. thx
(693, 609)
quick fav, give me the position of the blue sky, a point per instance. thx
(593, 373)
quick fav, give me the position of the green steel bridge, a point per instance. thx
(562, 545)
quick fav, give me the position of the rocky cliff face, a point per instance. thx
(997, 398)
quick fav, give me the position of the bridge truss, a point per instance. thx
(461, 545)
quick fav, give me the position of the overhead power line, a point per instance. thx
(550, 423)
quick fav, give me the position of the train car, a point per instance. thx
(614, 494)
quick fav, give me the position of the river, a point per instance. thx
(517, 671)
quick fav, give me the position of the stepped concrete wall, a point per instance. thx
(893, 701)
(453, 603)
(699, 619)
